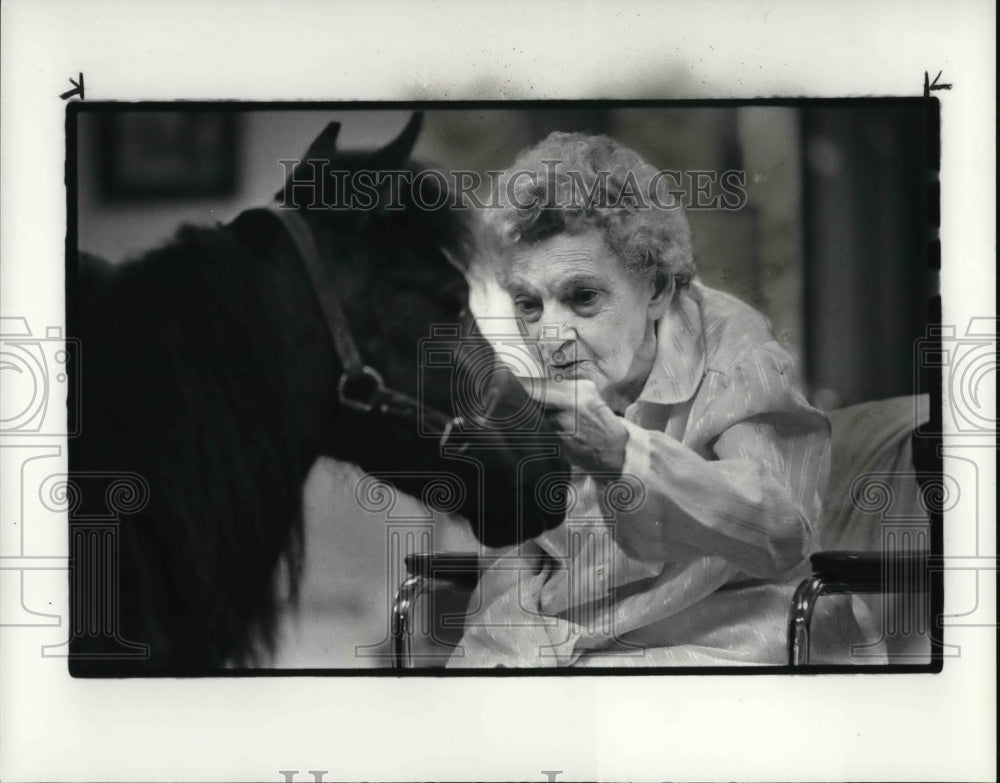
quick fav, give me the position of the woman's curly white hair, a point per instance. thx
(572, 182)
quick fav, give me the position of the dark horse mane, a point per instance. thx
(207, 372)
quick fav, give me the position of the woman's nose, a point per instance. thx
(556, 334)
(557, 325)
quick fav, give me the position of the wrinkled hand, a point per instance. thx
(594, 438)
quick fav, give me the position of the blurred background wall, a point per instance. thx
(865, 227)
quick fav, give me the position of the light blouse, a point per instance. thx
(690, 556)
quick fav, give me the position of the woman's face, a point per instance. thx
(592, 318)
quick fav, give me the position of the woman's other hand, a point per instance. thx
(594, 438)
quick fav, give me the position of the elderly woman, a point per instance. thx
(698, 464)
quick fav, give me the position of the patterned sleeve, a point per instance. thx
(757, 501)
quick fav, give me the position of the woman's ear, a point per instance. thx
(663, 293)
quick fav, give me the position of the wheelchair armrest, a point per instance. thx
(838, 572)
(871, 572)
(460, 568)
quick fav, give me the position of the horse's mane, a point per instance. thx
(208, 371)
(189, 354)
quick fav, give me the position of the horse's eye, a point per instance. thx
(455, 299)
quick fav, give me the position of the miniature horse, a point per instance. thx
(209, 375)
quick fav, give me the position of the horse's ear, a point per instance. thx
(395, 154)
(324, 147)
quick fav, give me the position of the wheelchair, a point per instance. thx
(880, 523)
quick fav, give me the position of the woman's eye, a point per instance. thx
(526, 307)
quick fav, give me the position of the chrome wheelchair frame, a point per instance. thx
(833, 572)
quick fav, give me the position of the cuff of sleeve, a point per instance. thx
(638, 450)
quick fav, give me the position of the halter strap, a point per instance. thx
(323, 287)
(376, 397)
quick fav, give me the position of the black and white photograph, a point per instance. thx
(536, 402)
(398, 412)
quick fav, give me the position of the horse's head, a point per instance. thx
(439, 409)
(212, 372)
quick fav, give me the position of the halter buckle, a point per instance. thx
(366, 403)
(453, 424)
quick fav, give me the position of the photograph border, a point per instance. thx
(932, 333)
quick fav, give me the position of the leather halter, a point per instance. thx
(361, 387)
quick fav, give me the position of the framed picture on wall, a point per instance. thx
(168, 154)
